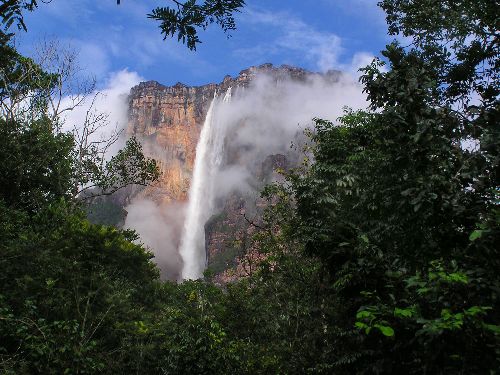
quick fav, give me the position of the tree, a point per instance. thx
(461, 37)
(35, 92)
(37, 167)
(68, 287)
(98, 176)
(401, 214)
(461, 41)
(65, 283)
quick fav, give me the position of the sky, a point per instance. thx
(317, 35)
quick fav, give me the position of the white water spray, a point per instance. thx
(209, 155)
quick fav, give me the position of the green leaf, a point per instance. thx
(385, 330)
(360, 325)
(493, 328)
(475, 310)
(364, 314)
(404, 313)
(476, 234)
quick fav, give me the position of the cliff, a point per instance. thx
(168, 121)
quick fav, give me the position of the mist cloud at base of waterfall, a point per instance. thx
(159, 228)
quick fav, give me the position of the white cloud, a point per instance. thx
(111, 100)
(321, 48)
(324, 50)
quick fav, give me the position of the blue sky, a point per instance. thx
(313, 34)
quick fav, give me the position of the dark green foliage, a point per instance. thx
(381, 250)
(403, 220)
(393, 205)
(105, 212)
(186, 334)
(66, 286)
(283, 313)
(36, 164)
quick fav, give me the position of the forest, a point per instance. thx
(381, 249)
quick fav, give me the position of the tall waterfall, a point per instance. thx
(209, 155)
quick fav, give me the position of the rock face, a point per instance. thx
(168, 121)
(231, 252)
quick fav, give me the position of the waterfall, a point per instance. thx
(209, 155)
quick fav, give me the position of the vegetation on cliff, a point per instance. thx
(381, 251)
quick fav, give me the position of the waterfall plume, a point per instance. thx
(209, 156)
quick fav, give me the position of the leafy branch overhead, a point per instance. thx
(185, 19)
(11, 11)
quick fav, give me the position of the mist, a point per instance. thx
(256, 122)
(267, 117)
(158, 228)
(108, 105)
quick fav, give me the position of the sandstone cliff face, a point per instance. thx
(168, 119)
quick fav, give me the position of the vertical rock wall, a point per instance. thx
(168, 121)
